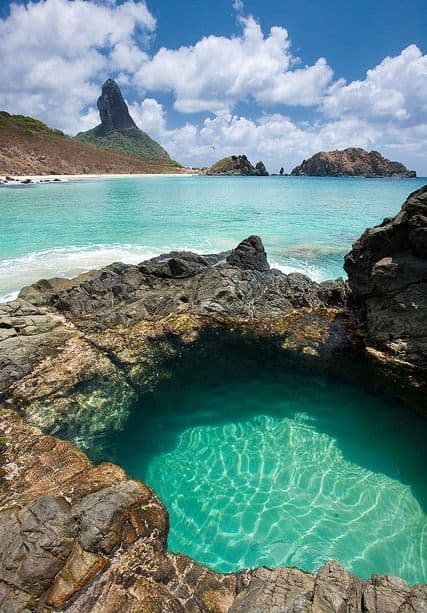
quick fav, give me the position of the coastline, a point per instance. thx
(65, 177)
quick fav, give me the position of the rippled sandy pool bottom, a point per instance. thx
(272, 468)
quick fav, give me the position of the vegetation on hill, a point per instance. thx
(28, 125)
(118, 131)
(29, 147)
(142, 146)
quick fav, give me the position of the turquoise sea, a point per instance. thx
(307, 224)
(256, 465)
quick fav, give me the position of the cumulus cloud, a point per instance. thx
(396, 89)
(55, 52)
(217, 72)
(275, 138)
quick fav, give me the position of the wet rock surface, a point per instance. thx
(74, 355)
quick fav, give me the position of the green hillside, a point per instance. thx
(137, 145)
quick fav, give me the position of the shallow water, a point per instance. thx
(258, 466)
(307, 223)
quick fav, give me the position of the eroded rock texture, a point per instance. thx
(387, 271)
(74, 353)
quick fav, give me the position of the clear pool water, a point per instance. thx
(307, 223)
(263, 467)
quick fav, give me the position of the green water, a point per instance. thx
(307, 223)
(263, 467)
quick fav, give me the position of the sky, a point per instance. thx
(277, 80)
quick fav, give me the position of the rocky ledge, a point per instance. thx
(238, 165)
(74, 356)
(351, 162)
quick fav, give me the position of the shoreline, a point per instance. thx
(56, 178)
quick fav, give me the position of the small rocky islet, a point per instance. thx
(352, 162)
(237, 165)
(74, 355)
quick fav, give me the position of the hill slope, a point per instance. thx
(118, 131)
(29, 147)
(351, 162)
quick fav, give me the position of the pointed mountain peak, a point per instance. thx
(114, 111)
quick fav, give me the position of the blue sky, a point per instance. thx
(277, 80)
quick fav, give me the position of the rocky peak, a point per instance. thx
(114, 111)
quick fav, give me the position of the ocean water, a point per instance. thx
(307, 224)
(259, 466)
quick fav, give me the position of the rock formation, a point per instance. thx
(387, 270)
(351, 162)
(114, 112)
(75, 354)
(118, 131)
(238, 165)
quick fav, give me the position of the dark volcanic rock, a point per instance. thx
(238, 165)
(387, 270)
(249, 254)
(351, 162)
(113, 111)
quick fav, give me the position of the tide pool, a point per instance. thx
(259, 466)
(307, 223)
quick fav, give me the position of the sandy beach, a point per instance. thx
(51, 178)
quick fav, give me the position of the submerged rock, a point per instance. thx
(76, 353)
(351, 162)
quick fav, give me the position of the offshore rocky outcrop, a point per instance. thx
(351, 162)
(238, 165)
(74, 356)
(118, 131)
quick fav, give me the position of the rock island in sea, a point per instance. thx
(75, 353)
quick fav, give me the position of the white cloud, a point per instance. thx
(55, 52)
(217, 72)
(275, 138)
(396, 90)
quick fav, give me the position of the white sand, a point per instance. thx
(98, 176)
